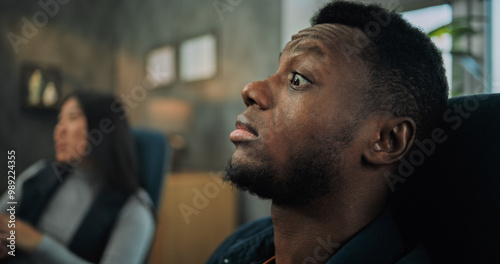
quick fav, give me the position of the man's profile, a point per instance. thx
(319, 137)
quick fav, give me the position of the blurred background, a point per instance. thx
(179, 67)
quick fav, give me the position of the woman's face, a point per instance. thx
(70, 133)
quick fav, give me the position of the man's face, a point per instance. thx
(294, 136)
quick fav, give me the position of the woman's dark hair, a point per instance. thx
(109, 139)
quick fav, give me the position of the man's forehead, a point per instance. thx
(326, 32)
(331, 36)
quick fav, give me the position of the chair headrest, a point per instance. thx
(152, 152)
(451, 203)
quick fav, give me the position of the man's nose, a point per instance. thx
(256, 93)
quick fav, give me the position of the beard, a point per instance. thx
(309, 176)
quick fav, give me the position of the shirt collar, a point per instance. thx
(378, 242)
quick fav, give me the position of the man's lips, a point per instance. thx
(244, 131)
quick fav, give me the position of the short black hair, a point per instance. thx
(112, 153)
(406, 73)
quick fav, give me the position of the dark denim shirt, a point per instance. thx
(379, 242)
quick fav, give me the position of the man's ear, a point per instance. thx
(395, 137)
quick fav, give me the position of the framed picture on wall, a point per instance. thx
(198, 58)
(160, 66)
(40, 86)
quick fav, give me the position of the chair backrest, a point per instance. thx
(451, 203)
(153, 155)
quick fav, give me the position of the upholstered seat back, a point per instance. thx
(153, 154)
(451, 203)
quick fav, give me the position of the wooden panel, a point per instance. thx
(197, 213)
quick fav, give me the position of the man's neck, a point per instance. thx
(316, 231)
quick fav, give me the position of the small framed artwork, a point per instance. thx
(160, 66)
(198, 58)
(40, 86)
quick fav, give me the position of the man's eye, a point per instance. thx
(298, 80)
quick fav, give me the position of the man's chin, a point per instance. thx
(243, 160)
(249, 178)
(263, 182)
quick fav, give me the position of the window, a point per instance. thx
(429, 19)
(495, 41)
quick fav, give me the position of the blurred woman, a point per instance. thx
(86, 206)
